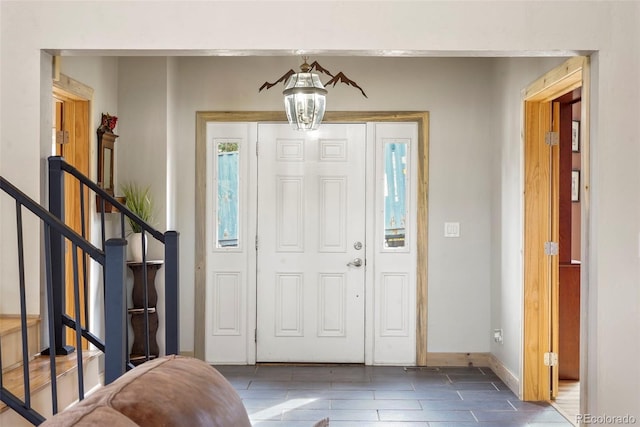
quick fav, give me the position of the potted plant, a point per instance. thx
(139, 201)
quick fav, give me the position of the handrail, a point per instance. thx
(108, 197)
(54, 222)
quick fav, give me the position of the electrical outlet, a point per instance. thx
(497, 335)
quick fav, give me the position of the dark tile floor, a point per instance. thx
(366, 396)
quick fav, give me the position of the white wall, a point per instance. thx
(613, 259)
(142, 147)
(454, 91)
(412, 28)
(173, 144)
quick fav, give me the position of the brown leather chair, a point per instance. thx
(169, 391)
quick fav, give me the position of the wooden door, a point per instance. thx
(537, 232)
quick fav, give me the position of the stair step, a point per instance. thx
(10, 324)
(40, 382)
(10, 335)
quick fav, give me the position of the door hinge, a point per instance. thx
(256, 148)
(256, 242)
(62, 137)
(255, 335)
(551, 248)
(550, 359)
(552, 138)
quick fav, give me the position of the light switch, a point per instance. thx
(451, 229)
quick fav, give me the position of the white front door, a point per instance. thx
(311, 244)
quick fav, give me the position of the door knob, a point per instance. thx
(357, 262)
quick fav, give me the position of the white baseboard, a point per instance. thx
(505, 375)
(458, 359)
(478, 360)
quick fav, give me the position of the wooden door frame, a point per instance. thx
(419, 117)
(77, 99)
(539, 323)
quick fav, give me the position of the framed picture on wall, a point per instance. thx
(575, 185)
(575, 136)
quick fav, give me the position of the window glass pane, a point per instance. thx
(228, 168)
(395, 208)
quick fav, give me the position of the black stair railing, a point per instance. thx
(110, 258)
(59, 171)
(113, 261)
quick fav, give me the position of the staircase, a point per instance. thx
(39, 371)
(33, 387)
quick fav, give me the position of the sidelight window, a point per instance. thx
(227, 166)
(395, 194)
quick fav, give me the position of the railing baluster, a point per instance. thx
(103, 232)
(82, 213)
(123, 235)
(103, 239)
(52, 335)
(23, 308)
(78, 311)
(85, 274)
(102, 227)
(145, 296)
(1, 365)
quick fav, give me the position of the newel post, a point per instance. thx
(56, 207)
(171, 292)
(115, 302)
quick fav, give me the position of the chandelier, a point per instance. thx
(305, 95)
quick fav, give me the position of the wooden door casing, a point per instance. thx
(72, 117)
(541, 193)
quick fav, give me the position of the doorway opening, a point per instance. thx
(556, 159)
(569, 114)
(421, 181)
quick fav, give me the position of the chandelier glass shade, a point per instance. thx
(304, 100)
